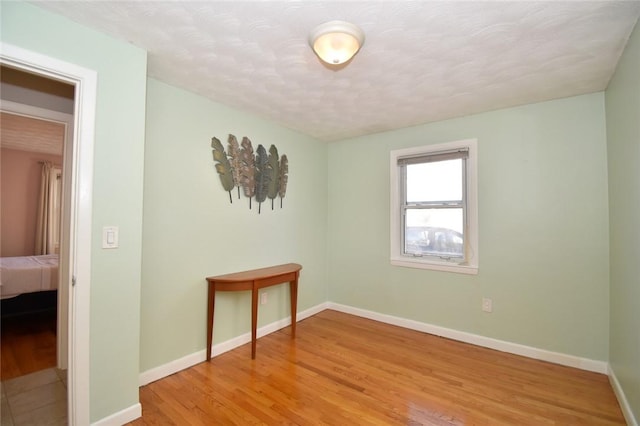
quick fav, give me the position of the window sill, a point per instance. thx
(436, 266)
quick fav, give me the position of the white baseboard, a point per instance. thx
(622, 399)
(190, 360)
(121, 417)
(487, 342)
(172, 367)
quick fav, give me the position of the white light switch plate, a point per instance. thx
(109, 237)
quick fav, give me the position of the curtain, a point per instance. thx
(46, 240)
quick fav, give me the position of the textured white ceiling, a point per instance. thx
(421, 61)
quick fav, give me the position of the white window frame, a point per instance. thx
(470, 264)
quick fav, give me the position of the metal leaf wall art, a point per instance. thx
(274, 165)
(261, 175)
(248, 169)
(223, 167)
(284, 177)
(233, 152)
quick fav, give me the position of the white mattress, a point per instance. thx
(28, 274)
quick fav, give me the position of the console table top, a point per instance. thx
(256, 274)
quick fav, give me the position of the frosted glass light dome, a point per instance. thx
(336, 42)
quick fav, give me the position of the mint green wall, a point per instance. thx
(191, 231)
(623, 153)
(542, 184)
(543, 229)
(117, 191)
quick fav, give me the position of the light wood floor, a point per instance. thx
(346, 370)
(28, 344)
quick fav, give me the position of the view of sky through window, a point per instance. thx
(435, 181)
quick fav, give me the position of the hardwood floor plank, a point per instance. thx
(343, 369)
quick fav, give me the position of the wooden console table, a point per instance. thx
(253, 280)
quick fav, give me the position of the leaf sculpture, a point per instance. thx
(248, 174)
(223, 167)
(274, 184)
(233, 152)
(284, 178)
(263, 175)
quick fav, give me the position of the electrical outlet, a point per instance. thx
(487, 305)
(264, 298)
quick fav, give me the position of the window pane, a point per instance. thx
(437, 232)
(438, 181)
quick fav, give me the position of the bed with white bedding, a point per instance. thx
(28, 274)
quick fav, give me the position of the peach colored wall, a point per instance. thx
(19, 188)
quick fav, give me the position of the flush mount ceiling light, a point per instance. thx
(336, 42)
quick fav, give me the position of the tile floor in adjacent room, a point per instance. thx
(38, 398)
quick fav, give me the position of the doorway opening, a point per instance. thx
(36, 124)
(75, 225)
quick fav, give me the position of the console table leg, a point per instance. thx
(254, 321)
(293, 285)
(210, 309)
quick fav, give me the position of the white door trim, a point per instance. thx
(85, 82)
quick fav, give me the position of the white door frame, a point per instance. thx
(81, 173)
